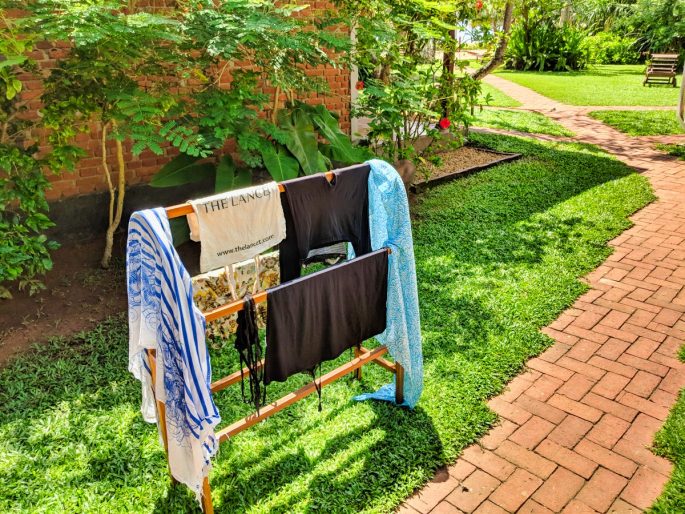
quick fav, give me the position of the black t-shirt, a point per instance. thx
(319, 213)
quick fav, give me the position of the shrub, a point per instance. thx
(610, 48)
(538, 43)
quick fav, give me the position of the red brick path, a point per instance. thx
(576, 428)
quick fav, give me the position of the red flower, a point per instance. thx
(360, 85)
(444, 124)
(479, 5)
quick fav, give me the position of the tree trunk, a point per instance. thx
(448, 59)
(498, 57)
(114, 216)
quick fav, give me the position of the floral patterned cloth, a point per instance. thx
(226, 285)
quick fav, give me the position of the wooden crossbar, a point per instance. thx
(237, 306)
(362, 356)
(280, 404)
(183, 209)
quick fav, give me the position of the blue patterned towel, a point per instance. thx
(391, 227)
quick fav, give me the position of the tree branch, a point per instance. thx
(498, 57)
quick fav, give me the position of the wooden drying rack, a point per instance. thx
(362, 356)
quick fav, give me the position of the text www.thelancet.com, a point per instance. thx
(241, 248)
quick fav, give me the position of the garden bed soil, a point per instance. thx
(460, 162)
(78, 295)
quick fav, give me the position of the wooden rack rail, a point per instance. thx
(183, 209)
(362, 356)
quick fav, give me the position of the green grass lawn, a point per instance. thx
(641, 123)
(670, 443)
(498, 255)
(496, 97)
(674, 150)
(599, 85)
(522, 121)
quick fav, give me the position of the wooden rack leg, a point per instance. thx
(399, 384)
(207, 505)
(358, 372)
(161, 410)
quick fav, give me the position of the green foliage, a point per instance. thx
(106, 76)
(280, 163)
(498, 255)
(669, 442)
(183, 169)
(398, 114)
(641, 123)
(538, 42)
(610, 48)
(660, 25)
(229, 177)
(24, 248)
(301, 141)
(673, 149)
(407, 90)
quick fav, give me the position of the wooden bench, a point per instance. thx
(662, 70)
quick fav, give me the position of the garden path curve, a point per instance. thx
(577, 426)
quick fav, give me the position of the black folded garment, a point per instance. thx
(315, 318)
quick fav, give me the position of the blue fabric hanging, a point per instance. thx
(390, 226)
(163, 317)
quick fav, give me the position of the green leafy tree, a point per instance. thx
(406, 88)
(255, 111)
(115, 79)
(24, 247)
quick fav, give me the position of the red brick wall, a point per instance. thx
(88, 176)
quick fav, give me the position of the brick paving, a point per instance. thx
(575, 429)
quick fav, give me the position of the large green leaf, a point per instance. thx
(301, 140)
(228, 177)
(341, 148)
(279, 163)
(183, 169)
(180, 231)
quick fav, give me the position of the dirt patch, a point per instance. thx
(456, 160)
(79, 294)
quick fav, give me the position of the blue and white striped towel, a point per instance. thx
(162, 316)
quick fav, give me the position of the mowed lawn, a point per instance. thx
(494, 97)
(598, 85)
(521, 121)
(641, 123)
(499, 255)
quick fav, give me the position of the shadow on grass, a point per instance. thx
(498, 257)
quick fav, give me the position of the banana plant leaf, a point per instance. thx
(341, 148)
(183, 169)
(301, 140)
(279, 163)
(229, 177)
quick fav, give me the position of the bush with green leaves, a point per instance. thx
(407, 90)
(115, 76)
(659, 25)
(539, 42)
(610, 48)
(281, 42)
(24, 247)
